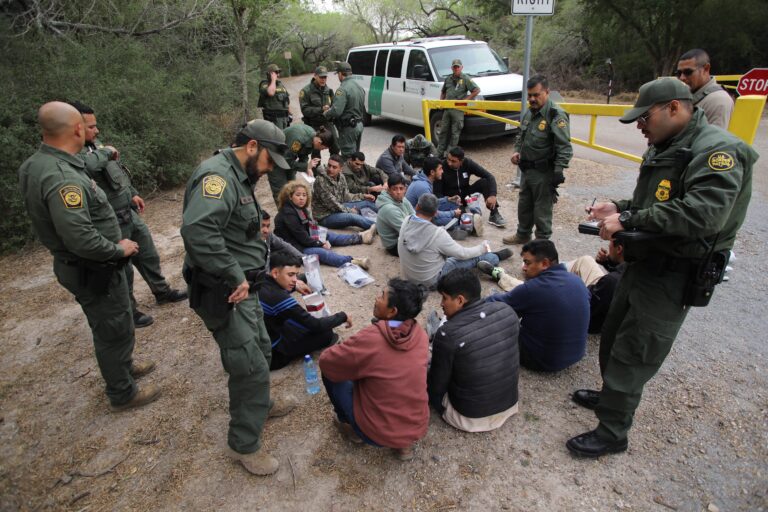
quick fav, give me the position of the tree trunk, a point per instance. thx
(244, 80)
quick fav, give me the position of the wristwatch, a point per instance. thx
(624, 218)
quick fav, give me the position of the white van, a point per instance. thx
(397, 76)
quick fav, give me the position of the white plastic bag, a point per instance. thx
(354, 276)
(316, 306)
(312, 271)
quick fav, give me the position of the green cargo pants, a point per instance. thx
(534, 205)
(450, 130)
(111, 322)
(645, 316)
(246, 352)
(350, 138)
(278, 178)
(147, 261)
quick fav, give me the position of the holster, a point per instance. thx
(707, 274)
(207, 291)
(123, 215)
(95, 276)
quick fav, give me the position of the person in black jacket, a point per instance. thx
(293, 331)
(455, 183)
(472, 380)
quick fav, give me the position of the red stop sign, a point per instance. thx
(754, 82)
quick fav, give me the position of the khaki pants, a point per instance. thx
(587, 269)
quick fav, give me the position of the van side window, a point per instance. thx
(395, 67)
(381, 63)
(418, 66)
(362, 62)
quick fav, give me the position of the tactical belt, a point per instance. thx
(543, 164)
(123, 215)
(274, 113)
(662, 263)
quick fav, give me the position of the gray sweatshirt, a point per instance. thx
(423, 249)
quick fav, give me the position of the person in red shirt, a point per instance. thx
(377, 379)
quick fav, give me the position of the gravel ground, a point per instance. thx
(699, 441)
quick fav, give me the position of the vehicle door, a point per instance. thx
(394, 85)
(418, 79)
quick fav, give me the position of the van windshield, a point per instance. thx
(478, 60)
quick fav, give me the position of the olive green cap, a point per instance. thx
(343, 67)
(273, 67)
(321, 71)
(268, 136)
(661, 90)
(456, 62)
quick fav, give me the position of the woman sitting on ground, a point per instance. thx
(294, 223)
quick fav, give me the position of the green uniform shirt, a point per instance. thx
(221, 220)
(696, 198)
(348, 102)
(299, 139)
(279, 101)
(312, 99)
(545, 135)
(69, 212)
(458, 88)
(108, 175)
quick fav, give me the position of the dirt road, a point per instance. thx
(700, 438)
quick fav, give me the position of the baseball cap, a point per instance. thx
(343, 67)
(267, 135)
(652, 93)
(273, 67)
(321, 71)
(456, 62)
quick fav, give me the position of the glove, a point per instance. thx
(558, 177)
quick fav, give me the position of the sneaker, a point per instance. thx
(486, 267)
(404, 454)
(368, 235)
(142, 320)
(143, 396)
(257, 463)
(503, 254)
(496, 219)
(515, 184)
(170, 296)
(516, 239)
(141, 369)
(281, 408)
(477, 223)
(346, 430)
(363, 263)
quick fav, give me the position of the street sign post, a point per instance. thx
(754, 81)
(529, 9)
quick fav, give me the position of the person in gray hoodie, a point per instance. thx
(428, 251)
(393, 210)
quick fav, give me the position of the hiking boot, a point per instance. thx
(496, 219)
(477, 223)
(170, 296)
(404, 454)
(142, 320)
(363, 263)
(346, 430)
(516, 239)
(503, 254)
(257, 463)
(368, 235)
(281, 408)
(486, 267)
(143, 396)
(141, 369)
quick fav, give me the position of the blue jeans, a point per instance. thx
(454, 263)
(443, 217)
(340, 394)
(330, 258)
(345, 220)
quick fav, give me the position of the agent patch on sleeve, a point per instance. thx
(213, 186)
(72, 195)
(296, 146)
(561, 123)
(339, 93)
(301, 94)
(721, 161)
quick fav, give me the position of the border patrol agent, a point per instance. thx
(315, 99)
(347, 111)
(101, 165)
(542, 151)
(301, 141)
(75, 222)
(274, 98)
(221, 225)
(694, 187)
(458, 86)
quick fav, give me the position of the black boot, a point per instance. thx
(590, 445)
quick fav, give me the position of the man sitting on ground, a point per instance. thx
(293, 331)
(393, 210)
(392, 160)
(553, 306)
(417, 150)
(424, 182)
(601, 274)
(334, 206)
(428, 251)
(375, 379)
(361, 177)
(472, 380)
(457, 171)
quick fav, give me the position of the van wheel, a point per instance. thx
(435, 123)
(367, 119)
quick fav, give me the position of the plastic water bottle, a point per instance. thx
(310, 375)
